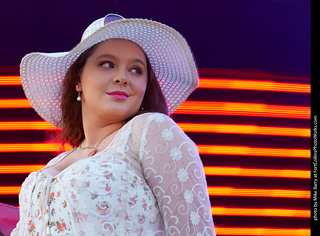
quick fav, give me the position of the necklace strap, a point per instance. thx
(88, 147)
(96, 146)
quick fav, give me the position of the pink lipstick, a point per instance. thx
(119, 95)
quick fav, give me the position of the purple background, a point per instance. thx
(267, 35)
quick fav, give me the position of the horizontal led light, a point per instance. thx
(212, 108)
(253, 151)
(262, 231)
(253, 85)
(31, 147)
(187, 127)
(26, 125)
(243, 109)
(216, 191)
(209, 170)
(232, 73)
(9, 190)
(215, 83)
(250, 172)
(243, 129)
(245, 192)
(19, 169)
(203, 149)
(228, 211)
(213, 191)
(15, 103)
(10, 80)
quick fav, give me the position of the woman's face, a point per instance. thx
(113, 80)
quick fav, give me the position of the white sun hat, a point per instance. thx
(42, 74)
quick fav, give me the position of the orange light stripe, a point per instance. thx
(260, 212)
(253, 151)
(262, 231)
(19, 169)
(253, 85)
(212, 108)
(243, 109)
(243, 129)
(213, 191)
(217, 84)
(187, 127)
(15, 103)
(244, 192)
(232, 73)
(251, 172)
(209, 170)
(26, 125)
(31, 147)
(10, 80)
(203, 149)
(9, 190)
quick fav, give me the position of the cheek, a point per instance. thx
(94, 83)
(142, 89)
(143, 85)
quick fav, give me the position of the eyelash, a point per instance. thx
(138, 69)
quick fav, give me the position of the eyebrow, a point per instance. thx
(113, 57)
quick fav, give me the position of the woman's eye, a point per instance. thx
(136, 70)
(107, 64)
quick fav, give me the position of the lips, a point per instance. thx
(119, 95)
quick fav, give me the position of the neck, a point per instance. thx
(95, 131)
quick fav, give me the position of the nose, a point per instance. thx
(120, 78)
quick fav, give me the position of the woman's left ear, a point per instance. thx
(78, 87)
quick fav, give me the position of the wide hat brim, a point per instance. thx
(42, 74)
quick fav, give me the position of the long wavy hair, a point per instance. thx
(71, 121)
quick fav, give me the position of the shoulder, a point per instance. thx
(148, 117)
(152, 123)
(158, 124)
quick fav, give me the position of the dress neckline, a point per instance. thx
(65, 154)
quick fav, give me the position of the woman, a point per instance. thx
(132, 170)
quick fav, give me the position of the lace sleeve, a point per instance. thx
(174, 171)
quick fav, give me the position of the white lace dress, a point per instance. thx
(148, 181)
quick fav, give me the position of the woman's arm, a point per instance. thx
(174, 172)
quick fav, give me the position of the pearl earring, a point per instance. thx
(79, 94)
(79, 97)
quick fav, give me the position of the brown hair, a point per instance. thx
(71, 121)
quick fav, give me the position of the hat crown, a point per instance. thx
(97, 24)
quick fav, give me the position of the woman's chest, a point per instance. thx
(91, 191)
(86, 180)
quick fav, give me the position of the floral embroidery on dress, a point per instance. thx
(188, 196)
(183, 175)
(31, 228)
(103, 208)
(64, 204)
(167, 135)
(59, 226)
(94, 196)
(175, 154)
(78, 216)
(132, 201)
(194, 217)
